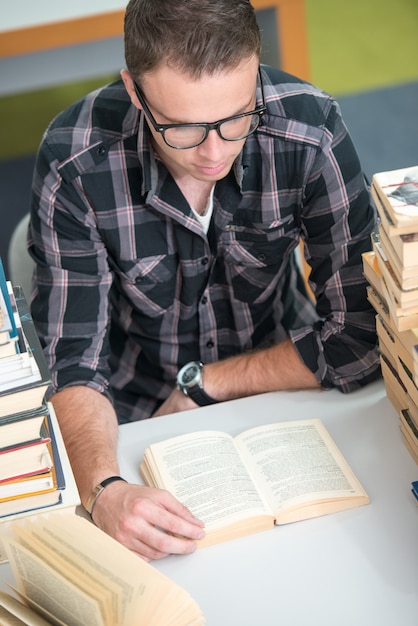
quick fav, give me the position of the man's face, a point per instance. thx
(174, 98)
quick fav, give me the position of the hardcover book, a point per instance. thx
(398, 191)
(21, 427)
(65, 497)
(29, 394)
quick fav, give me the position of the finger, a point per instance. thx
(177, 509)
(170, 516)
(151, 542)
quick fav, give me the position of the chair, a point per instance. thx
(19, 262)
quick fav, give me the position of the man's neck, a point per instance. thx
(196, 192)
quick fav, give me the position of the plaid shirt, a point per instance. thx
(128, 286)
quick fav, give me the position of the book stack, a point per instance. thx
(391, 269)
(35, 472)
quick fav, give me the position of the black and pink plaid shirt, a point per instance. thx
(128, 286)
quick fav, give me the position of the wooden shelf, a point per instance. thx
(290, 22)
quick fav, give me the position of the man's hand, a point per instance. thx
(276, 368)
(150, 522)
(176, 401)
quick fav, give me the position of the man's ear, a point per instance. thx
(129, 86)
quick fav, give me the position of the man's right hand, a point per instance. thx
(150, 522)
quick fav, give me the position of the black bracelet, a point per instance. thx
(91, 502)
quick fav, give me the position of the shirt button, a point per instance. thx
(261, 257)
(210, 344)
(101, 150)
(205, 261)
(204, 300)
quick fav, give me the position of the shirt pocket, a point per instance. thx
(149, 283)
(255, 262)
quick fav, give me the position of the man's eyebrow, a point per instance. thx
(170, 120)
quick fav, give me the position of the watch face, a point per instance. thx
(190, 374)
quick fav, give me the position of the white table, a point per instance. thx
(355, 568)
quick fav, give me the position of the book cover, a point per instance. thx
(9, 347)
(21, 427)
(20, 487)
(30, 395)
(405, 247)
(398, 190)
(410, 433)
(407, 275)
(25, 459)
(36, 501)
(383, 302)
(54, 480)
(18, 371)
(393, 227)
(8, 321)
(406, 298)
(69, 497)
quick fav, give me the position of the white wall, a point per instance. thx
(22, 13)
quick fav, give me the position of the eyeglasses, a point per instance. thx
(184, 136)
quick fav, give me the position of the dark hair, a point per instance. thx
(194, 36)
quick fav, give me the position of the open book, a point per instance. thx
(67, 571)
(274, 474)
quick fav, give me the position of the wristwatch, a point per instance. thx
(190, 382)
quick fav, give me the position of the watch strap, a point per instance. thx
(91, 502)
(199, 395)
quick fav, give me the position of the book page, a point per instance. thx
(52, 555)
(297, 462)
(36, 610)
(206, 474)
(143, 593)
(45, 587)
(14, 613)
(73, 563)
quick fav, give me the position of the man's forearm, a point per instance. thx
(272, 369)
(89, 428)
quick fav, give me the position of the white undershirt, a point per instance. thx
(207, 214)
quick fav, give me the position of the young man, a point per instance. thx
(166, 211)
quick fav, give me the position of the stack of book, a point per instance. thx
(391, 269)
(67, 571)
(34, 469)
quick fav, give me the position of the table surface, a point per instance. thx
(357, 567)
(354, 567)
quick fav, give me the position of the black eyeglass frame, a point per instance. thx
(161, 128)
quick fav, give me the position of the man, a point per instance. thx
(166, 211)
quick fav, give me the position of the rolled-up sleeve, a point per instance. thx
(72, 277)
(337, 220)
